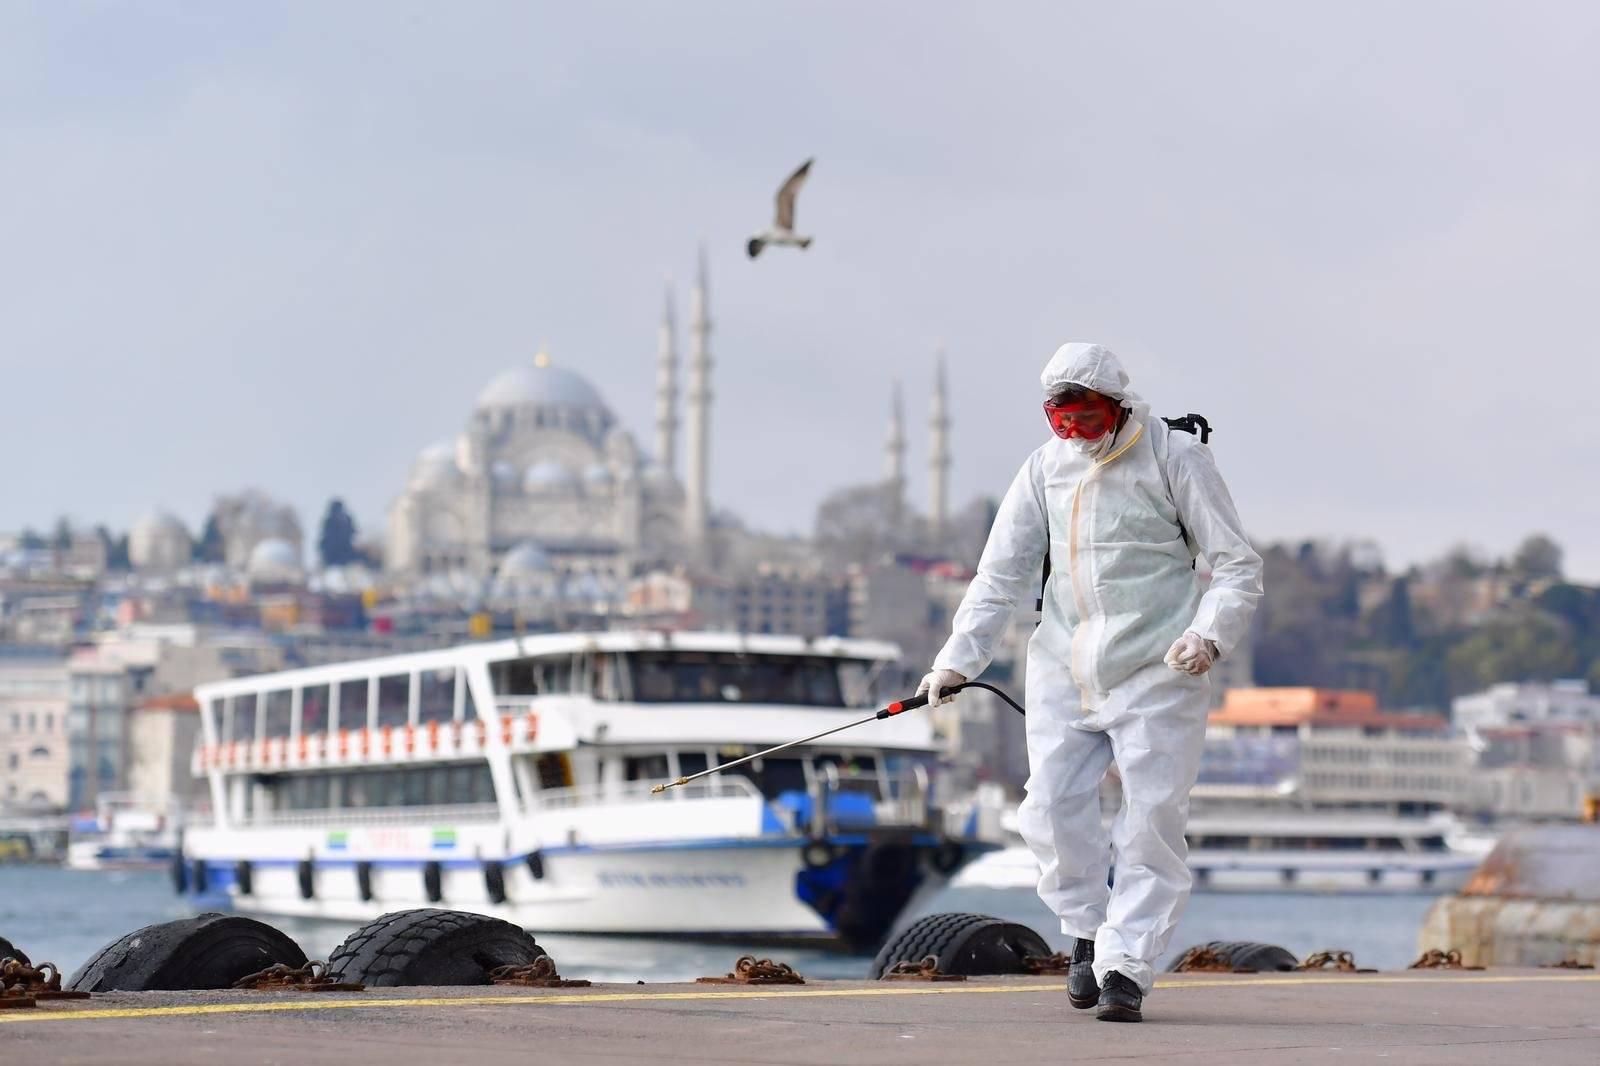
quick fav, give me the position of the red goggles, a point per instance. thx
(1090, 419)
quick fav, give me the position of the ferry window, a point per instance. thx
(278, 714)
(353, 704)
(355, 791)
(691, 762)
(774, 776)
(391, 789)
(469, 709)
(244, 717)
(394, 700)
(726, 677)
(416, 787)
(438, 787)
(313, 710)
(857, 773)
(437, 700)
(554, 770)
(645, 767)
(471, 784)
(856, 678)
(533, 677)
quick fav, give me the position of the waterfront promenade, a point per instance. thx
(1497, 1016)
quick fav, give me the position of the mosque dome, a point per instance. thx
(524, 560)
(598, 475)
(541, 384)
(505, 475)
(273, 558)
(436, 467)
(159, 541)
(549, 475)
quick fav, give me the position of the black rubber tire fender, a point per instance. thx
(8, 950)
(205, 952)
(433, 881)
(431, 946)
(947, 857)
(1246, 955)
(200, 877)
(971, 944)
(364, 881)
(536, 865)
(306, 875)
(494, 881)
(244, 876)
(180, 873)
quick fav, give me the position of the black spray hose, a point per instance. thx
(897, 707)
(922, 701)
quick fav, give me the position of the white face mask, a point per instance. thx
(1092, 449)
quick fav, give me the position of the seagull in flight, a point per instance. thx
(782, 229)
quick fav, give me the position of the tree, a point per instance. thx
(854, 525)
(31, 540)
(61, 539)
(1537, 557)
(337, 541)
(210, 548)
(116, 549)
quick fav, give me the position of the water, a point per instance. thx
(64, 916)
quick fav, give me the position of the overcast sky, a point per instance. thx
(285, 245)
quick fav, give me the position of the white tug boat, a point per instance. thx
(514, 778)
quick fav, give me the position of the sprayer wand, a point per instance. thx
(897, 707)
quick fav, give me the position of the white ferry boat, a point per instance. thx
(1275, 851)
(514, 778)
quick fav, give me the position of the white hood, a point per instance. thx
(1092, 366)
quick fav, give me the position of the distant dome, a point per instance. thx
(436, 467)
(504, 474)
(154, 523)
(549, 475)
(273, 558)
(525, 559)
(541, 385)
(598, 474)
(159, 542)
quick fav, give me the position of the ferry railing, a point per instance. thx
(717, 786)
(342, 816)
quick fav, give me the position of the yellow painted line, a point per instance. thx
(48, 1013)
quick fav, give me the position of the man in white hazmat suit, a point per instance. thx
(1116, 668)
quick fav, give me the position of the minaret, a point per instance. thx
(697, 509)
(938, 457)
(895, 458)
(667, 390)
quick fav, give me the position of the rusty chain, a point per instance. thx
(1205, 960)
(540, 973)
(1048, 965)
(1342, 961)
(750, 970)
(923, 969)
(1566, 964)
(281, 977)
(1434, 959)
(41, 982)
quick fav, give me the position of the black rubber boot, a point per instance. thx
(1082, 992)
(1120, 1000)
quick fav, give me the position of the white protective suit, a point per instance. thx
(1122, 589)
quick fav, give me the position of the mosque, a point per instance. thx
(545, 478)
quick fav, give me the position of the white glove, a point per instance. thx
(1191, 654)
(935, 684)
